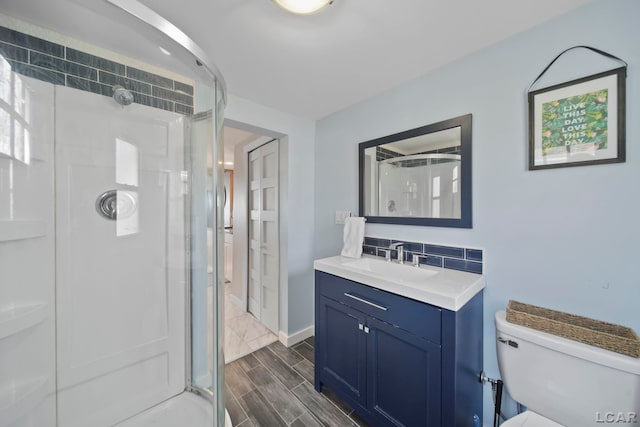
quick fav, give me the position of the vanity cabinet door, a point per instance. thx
(404, 377)
(341, 349)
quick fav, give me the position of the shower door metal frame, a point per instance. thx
(152, 18)
(190, 386)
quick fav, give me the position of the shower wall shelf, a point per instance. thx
(21, 229)
(20, 397)
(19, 318)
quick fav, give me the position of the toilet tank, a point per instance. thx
(571, 383)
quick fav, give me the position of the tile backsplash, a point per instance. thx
(455, 258)
(61, 65)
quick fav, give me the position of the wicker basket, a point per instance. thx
(589, 331)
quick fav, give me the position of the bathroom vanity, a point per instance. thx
(402, 345)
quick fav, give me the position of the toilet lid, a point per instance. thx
(530, 419)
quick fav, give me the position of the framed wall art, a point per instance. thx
(580, 122)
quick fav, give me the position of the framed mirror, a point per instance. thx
(420, 176)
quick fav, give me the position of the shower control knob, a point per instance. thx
(114, 204)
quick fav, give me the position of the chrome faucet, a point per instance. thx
(398, 246)
(415, 260)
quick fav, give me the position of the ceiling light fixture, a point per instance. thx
(303, 7)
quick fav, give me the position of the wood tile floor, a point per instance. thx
(273, 386)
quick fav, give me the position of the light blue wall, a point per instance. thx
(566, 238)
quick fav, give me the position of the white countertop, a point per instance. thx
(442, 287)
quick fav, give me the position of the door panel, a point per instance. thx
(404, 377)
(342, 349)
(254, 291)
(264, 243)
(121, 283)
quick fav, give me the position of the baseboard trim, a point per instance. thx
(296, 337)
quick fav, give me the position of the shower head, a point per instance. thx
(122, 96)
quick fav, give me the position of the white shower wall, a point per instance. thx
(118, 286)
(121, 284)
(27, 293)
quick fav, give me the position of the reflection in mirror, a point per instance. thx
(419, 177)
(415, 177)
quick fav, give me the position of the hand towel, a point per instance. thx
(353, 237)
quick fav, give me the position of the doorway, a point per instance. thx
(245, 331)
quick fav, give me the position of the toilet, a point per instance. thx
(563, 382)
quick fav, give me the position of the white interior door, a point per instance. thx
(120, 283)
(264, 243)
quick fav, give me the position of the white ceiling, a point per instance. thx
(312, 66)
(309, 66)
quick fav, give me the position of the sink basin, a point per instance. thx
(401, 273)
(442, 287)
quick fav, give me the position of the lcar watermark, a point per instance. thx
(617, 417)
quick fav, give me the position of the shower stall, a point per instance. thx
(420, 185)
(110, 182)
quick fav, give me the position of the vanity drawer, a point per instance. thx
(413, 316)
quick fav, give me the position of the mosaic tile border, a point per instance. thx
(455, 258)
(61, 65)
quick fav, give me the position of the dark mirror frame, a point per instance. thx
(464, 122)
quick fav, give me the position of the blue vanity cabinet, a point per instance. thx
(397, 361)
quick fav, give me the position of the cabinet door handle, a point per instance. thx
(373, 304)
